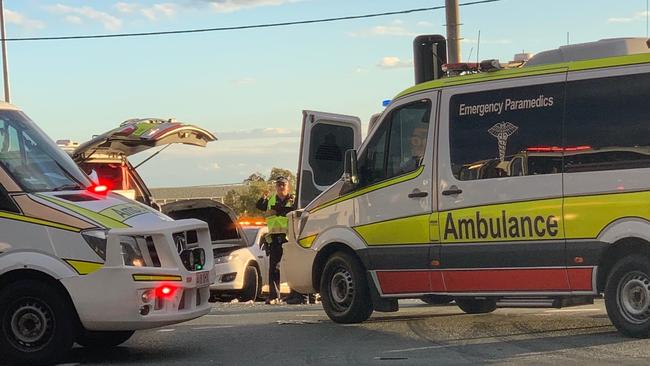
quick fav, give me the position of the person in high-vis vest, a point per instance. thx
(277, 206)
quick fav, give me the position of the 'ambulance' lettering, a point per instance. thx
(504, 227)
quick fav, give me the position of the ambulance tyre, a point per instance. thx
(344, 289)
(627, 296)
(103, 339)
(252, 289)
(476, 306)
(38, 324)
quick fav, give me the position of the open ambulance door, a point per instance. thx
(325, 139)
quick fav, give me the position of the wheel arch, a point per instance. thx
(616, 251)
(16, 275)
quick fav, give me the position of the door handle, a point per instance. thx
(452, 191)
(418, 194)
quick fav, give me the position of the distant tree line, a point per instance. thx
(243, 202)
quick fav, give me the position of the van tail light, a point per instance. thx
(166, 292)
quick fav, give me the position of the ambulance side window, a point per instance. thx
(607, 125)
(6, 203)
(507, 132)
(398, 145)
(372, 162)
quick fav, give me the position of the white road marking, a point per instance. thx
(166, 330)
(213, 327)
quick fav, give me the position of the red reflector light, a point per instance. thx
(165, 292)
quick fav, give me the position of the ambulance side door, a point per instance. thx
(501, 228)
(393, 198)
(324, 140)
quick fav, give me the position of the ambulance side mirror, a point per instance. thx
(350, 174)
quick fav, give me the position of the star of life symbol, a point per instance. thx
(502, 131)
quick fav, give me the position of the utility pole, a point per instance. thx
(5, 67)
(453, 31)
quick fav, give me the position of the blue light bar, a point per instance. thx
(386, 103)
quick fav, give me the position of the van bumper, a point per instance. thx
(296, 266)
(120, 297)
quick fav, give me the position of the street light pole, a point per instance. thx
(453, 31)
(5, 66)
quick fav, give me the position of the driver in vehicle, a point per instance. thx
(417, 143)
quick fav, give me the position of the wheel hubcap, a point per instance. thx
(634, 297)
(342, 288)
(31, 324)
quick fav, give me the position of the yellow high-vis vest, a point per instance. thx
(277, 224)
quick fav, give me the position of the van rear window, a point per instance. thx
(610, 119)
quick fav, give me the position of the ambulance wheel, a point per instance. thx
(437, 299)
(476, 306)
(627, 296)
(252, 289)
(37, 323)
(344, 289)
(103, 339)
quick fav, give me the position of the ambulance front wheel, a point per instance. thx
(344, 289)
(627, 296)
(476, 306)
(103, 339)
(37, 323)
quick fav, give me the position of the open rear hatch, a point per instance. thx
(137, 135)
(225, 232)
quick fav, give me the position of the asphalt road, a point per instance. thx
(419, 334)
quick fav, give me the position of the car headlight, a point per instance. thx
(225, 258)
(131, 253)
(96, 240)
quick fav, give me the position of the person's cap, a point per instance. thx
(281, 180)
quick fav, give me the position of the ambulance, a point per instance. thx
(79, 263)
(525, 184)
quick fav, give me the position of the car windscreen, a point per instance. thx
(251, 234)
(32, 158)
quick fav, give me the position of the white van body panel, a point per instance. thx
(630, 227)
(37, 261)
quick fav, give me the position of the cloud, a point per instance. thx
(229, 6)
(424, 24)
(634, 18)
(109, 21)
(153, 12)
(245, 81)
(209, 167)
(392, 62)
(14, 17)
(395, 28)
(258, 133)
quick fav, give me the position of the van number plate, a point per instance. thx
(203, 279)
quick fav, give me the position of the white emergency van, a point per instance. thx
(527, 185)
(81, 264)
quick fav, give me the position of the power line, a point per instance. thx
(241, 27)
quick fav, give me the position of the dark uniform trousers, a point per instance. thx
(275, 255)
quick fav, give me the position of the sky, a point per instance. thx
(249, 87)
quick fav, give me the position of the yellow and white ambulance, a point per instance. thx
(528, 185)
(79, 263)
